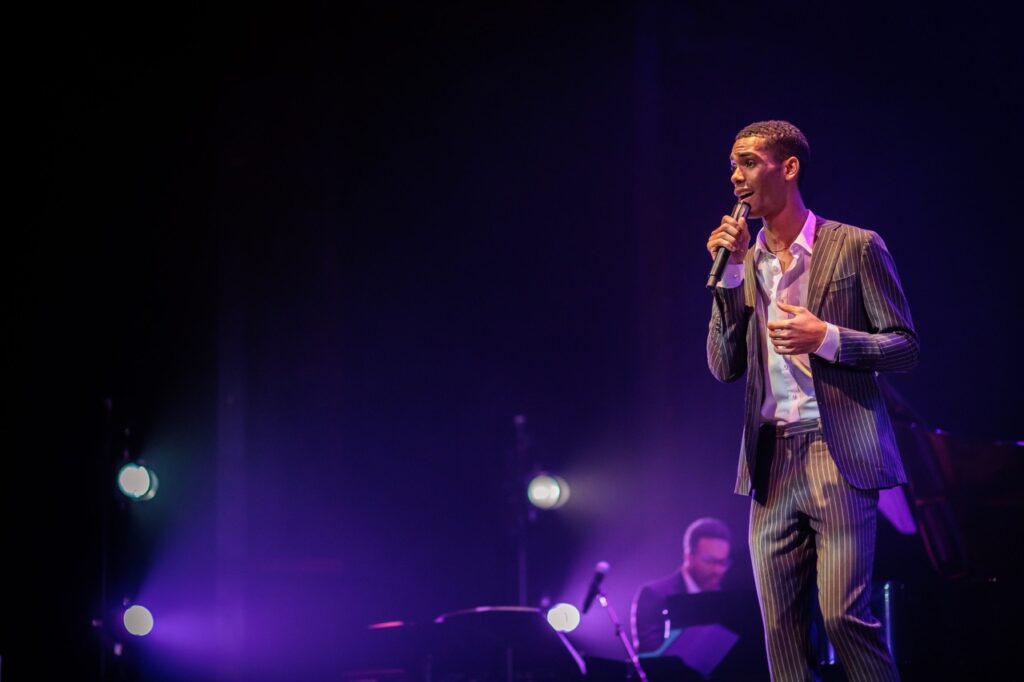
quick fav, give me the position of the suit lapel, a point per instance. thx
(828, 242)
(750, 279)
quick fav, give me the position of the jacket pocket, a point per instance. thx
(842, 282)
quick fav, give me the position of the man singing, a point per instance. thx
(810, 314)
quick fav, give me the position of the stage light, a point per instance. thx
(548, 492)
(137, 482)
(138, 620)
(564, 617)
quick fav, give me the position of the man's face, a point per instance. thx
(756, 172)
(708, 563)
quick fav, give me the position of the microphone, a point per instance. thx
(595, 584)
(740, 210)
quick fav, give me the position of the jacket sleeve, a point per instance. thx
(727, 334)
(647, 621)
(891, 344)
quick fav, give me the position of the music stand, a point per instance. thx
(720, 634)
(500, 643)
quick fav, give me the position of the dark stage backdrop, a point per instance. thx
(319, 257)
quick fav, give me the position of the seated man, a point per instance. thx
(705, 562)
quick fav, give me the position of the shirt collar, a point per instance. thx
(805, 240)
(691, 585)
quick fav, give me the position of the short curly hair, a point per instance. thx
(706, 527)
(783, 140)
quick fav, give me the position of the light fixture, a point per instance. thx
(138, 620)
(137, 482)
(547, 491)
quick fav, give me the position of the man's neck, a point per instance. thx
(691, 585)
(784, 227)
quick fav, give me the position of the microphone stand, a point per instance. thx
(621, 634)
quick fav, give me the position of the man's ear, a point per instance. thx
(791, 168)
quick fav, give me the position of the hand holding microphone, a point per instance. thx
(729, 242)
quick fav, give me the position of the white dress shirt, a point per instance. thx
(789, 389)
(691, 585)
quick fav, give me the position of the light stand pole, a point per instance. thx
(522, 508)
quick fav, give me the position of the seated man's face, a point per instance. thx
(708, 563)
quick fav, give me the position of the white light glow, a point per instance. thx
(137, 482)
(548, 492)
(138, 620)
(564, 617)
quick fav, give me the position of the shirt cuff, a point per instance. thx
(732, 277)
(829, 348)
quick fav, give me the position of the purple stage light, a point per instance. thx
(564, 617)
(387, 625)
(138, 620)
(547, 491)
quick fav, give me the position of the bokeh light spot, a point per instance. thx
(137, 482)
(564, 617)
(548, 492)
(138, 620)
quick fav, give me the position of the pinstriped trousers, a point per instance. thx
(808, 524)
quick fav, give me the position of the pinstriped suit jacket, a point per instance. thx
(854, 285)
